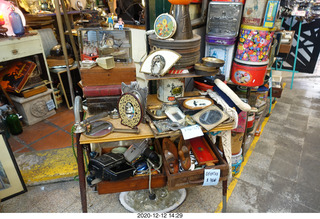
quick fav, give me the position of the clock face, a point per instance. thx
(196, 103)
(130, 110)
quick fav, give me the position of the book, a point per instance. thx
(14, 77)
(103, 90)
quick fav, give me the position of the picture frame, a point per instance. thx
(11, 181)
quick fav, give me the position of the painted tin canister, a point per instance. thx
(248, 75)
(254, 43)
(250, 123)
(223, 52)
(236, 161)
(170, 89)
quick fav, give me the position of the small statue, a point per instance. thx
(121, 23)
(110, 21)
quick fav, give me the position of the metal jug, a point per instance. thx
(182, 16)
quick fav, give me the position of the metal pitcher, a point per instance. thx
(182, 16)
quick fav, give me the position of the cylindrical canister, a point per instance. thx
(250, 123)
(254, 43)
(170, 89)
(245, 74)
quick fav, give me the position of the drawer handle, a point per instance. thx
(14, 52)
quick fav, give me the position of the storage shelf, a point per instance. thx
(171, 76)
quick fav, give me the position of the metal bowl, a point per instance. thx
(212, 62)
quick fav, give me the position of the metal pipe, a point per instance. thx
(73, 44)
(64, 48)
(77, 109)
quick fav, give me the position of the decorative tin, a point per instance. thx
(254, 43)
(169, 89)
(248, 75)
(253, 12)
(165, 26)
(271, 14)
(223, 52)
(224, 18)
(226, 40)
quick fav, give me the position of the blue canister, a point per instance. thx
(16, 22)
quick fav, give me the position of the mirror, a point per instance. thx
(129, 110)
(210, 117)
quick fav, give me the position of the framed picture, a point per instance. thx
(11, 182)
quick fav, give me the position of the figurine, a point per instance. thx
(110, 21)
(121, 23)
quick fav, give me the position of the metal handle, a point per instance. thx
(14, 51)
(134, 131)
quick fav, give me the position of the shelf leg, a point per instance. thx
(296, 54)
(224, 195)
(81, 171)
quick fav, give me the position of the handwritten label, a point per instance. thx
(211, 177)
(191, 132)
(50, 105)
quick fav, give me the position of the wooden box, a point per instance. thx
(193, 178)
(122, 72)
(136, 182)
(286, 47)
(101, 104)
(276, 92)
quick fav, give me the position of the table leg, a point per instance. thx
(81, 172)
(224, 195)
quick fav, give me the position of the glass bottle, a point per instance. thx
(13, 123)
(16, 22)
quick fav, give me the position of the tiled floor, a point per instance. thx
(51, 133)
(280, 176)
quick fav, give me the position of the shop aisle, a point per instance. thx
(280, 175)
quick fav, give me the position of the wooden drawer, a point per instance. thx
(122, 72)
(135, 182)
(18, 48)
(193, 178)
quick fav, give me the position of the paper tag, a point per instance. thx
(270, 82)
(298, 13)
(211, 177)
(50, 105)
(191, 132)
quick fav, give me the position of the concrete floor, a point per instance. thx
(281, 175)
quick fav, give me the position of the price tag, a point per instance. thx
(298, 13)
(270, 82)
(50, 105)
(191, 132)
(211, 177)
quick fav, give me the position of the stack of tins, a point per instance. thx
(223, 24)
(251, 59)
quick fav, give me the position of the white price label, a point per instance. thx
(270, 82)
(211, 177)
(50, 105)
(191, 132)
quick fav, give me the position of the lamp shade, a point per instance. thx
(5, 10)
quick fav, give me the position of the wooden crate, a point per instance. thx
(122, 72)
(134, 183)
(193, 178)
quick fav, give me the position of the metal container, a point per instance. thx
(224, 18)
(170, 89)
